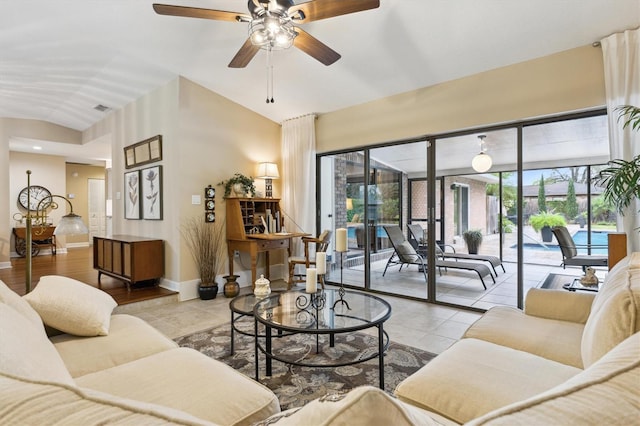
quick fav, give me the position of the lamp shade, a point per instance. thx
(349, 203)
(268, 171)
(71, 224)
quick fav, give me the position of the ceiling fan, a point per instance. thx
(271, 24)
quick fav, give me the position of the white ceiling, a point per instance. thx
(59, 59)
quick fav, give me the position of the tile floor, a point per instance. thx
(429, 327)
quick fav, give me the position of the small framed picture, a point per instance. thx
(209, 192)
(129, 157)
(151, 182)
(209, 217)
(132, 195)
(143, 152)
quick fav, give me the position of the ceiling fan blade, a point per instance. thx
(314, 47)
(316, 10)
(196, 12)
(244, 55)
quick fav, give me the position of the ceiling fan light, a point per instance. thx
(258, 38)
(272, 24)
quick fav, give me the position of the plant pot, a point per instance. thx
(547, 235)
(231, 287)
(207, 292)
(238, 189)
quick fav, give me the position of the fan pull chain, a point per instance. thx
(269, 78)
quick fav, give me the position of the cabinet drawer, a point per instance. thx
(272, 245)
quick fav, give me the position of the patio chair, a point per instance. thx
(570, 256)
(416, 232)
(405, 253)
(322, 243)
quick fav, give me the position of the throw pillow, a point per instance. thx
(72, 306)
(11, 298)
(406, 248)
(364, 406)
(26, 352)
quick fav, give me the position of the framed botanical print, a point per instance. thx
(151, 182)
(132, 195)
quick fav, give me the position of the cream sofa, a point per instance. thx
(567, 359)
(109, 369)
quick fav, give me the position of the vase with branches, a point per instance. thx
(207, 245)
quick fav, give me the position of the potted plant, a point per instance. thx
(473, 239)
(620, 179)
(240, 184)
(544, 221)
(206, 243)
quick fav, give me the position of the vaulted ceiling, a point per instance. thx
(59, 59)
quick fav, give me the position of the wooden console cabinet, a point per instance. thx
(617, 247)
(128, 258)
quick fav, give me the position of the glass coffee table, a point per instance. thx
(321, 313)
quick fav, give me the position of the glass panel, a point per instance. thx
(389, 203)
(557, 194)
(342, 195)
(472, 243)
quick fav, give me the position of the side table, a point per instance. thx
(241, 306)
(576, 285)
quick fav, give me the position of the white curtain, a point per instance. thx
(299, 176)
(621, 53)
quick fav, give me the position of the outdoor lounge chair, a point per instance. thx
(416, 232)
(405, 253)
(570, 256)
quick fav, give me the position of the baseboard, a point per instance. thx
(5, 265)
(76, 245)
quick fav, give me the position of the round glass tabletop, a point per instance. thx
(322, 312)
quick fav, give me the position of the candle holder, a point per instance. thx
(341, 290)
(308, 305)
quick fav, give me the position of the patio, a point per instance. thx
(462, 287)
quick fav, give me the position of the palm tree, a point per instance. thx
(621, 179)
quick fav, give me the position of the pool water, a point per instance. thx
(599, 238)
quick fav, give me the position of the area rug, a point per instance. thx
(556, 281)
(295, 386)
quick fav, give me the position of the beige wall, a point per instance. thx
(206, 139)
(77, 176)
(567, 81)
(12, 179)
(223, 138)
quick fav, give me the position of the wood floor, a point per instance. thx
(77, 263)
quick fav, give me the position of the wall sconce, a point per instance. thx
(69, 224)
(481, 162)
(268, 171)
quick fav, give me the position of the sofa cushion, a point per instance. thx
(362, 406)
(11, 298)
(129, 338)
(615, 313)
(187, 380)
(474, 377)
(28, 402)
(72, 306)
(26, 352)
(606, 393)
(511, 327)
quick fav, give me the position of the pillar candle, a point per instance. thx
(312, 280)
(321, 263)
(341, 239)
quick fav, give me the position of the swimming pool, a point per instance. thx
(599, 238)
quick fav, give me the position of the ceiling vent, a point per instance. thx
(101, 108)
